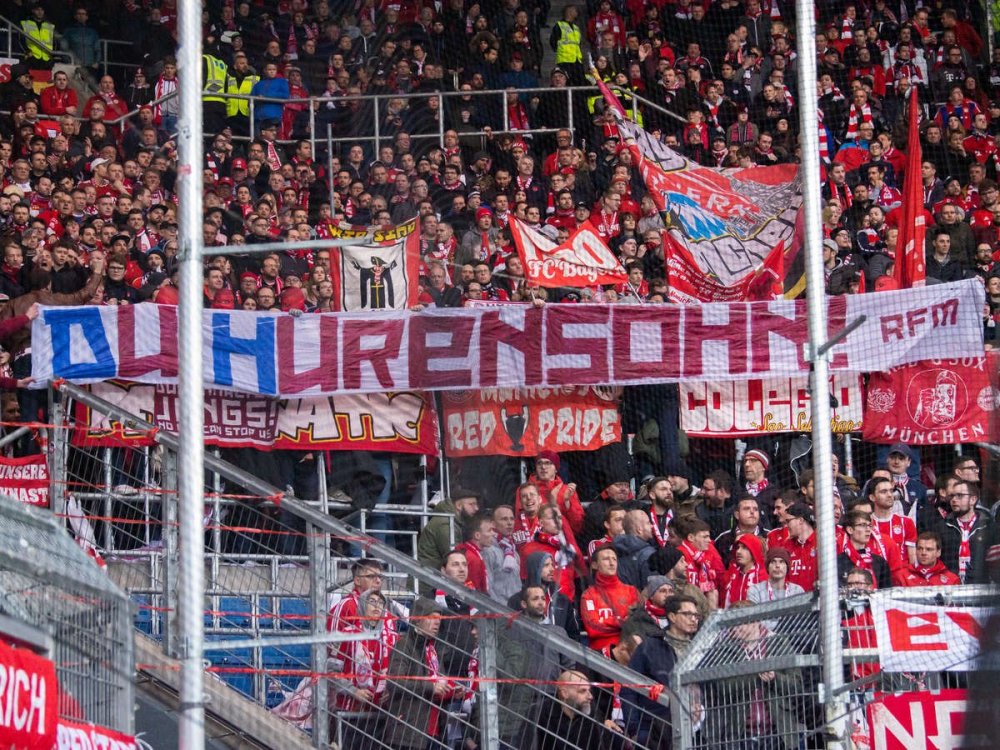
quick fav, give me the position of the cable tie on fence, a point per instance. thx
(655, 691)
(58, 383)
(276, 498)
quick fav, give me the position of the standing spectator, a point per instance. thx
(605, 605)
(443, 531)
(801, 546)
(420, 701)
(560, 611)
(553, 490)
(746, 570)
(648, 618)
(270, 86)
(503, 566)
(857, 551)
(964, 534)
(634, 548)
(566, 41)
(776, 586)
(39, 37)
(83, 41)
(478, 536)
(747, 518)
(704, 566)
(553, 537)
(566, 723)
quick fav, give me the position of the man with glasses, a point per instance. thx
(858, 552)
(964, 534)
(646, 720)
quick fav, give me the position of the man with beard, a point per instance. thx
(438, 536)
(566, 722)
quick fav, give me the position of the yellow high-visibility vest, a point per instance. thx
(37, 34)
(239, 106)
(216, 74)
(568, 47)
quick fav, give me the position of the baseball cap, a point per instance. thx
(801, 510)
(902, 449)
(239, 163)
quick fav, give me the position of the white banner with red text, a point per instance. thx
(750, 407)
(582, 260)
(29, 695)
(505, 347)
(907, 721)
(935, 402)
(25, 479)
(522, 422)
(401, 422)
(924, 638)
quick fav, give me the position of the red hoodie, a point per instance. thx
(737, 582)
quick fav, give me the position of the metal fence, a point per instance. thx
(50, 587)
(274, 567)
(752, 675)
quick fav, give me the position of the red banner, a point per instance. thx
(582, 260)
(754, 407)
(25, 479)
(934, 402)
(402, 422)
(910, 270)
(29, 696)
(523, 422)
(74, 736)
(918, 720)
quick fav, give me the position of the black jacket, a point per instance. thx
(951, 540)
(880, 569)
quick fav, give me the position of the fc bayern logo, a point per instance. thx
(936, 398)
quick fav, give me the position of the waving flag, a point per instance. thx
(728, 223)
(583, 260)
(909, 268)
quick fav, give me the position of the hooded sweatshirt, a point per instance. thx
(738, 581)
(933, 575)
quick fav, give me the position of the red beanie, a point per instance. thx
(550, 456)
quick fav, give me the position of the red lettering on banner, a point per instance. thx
(324, 375)
(164, 361)
(770, 330)
(732, 332)
(378, 355)
(836, 321)
(494, 330)
(591, 348)
(911, 323)
(905, 628)
(458, 331)
(966, 622)
(629, 362)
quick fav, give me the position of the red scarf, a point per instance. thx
(660, 536)
(860, 558)
(659, 614)
(755, 488)
(739, 583)
(855, 118)
(965, 548)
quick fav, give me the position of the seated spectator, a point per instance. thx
(928, 569)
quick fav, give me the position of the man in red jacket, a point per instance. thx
(553, 490)
(929, 570)
(605, 605)
(478, 535)
(801, 546)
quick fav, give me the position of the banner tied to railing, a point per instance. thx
(926, 638)
(403, 422)
(506, 347)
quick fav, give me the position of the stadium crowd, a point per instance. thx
(88, 215)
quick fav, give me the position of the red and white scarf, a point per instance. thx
(965, 547)
(755, 488)
(660, 536)
(659, 614)
(856, 117)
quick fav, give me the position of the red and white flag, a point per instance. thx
(582, 260)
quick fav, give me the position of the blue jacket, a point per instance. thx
(273, 88)
(655, 659)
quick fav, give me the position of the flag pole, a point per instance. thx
(832, 695)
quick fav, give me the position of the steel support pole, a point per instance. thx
(191, 453)
(833, 664)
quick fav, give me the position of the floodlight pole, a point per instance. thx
(191, 451)
(830, 631)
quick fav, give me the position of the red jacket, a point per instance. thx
(568, 573)
(936, 575)
(738, 582)
(477, 568)
(565, 498)
(604, 607)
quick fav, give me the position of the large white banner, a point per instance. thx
(924, 638)
(510, 346)
(732, 408)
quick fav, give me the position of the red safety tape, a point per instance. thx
(655, 691)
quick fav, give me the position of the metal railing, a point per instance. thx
(274, 568)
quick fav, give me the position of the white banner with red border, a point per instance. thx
(753, 407)
(924, 638)
(582, 260)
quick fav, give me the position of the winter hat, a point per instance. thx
(653, 583)
(758, 455)
(664, 559)
(483, 211)
(778, 553)
(550, 456)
